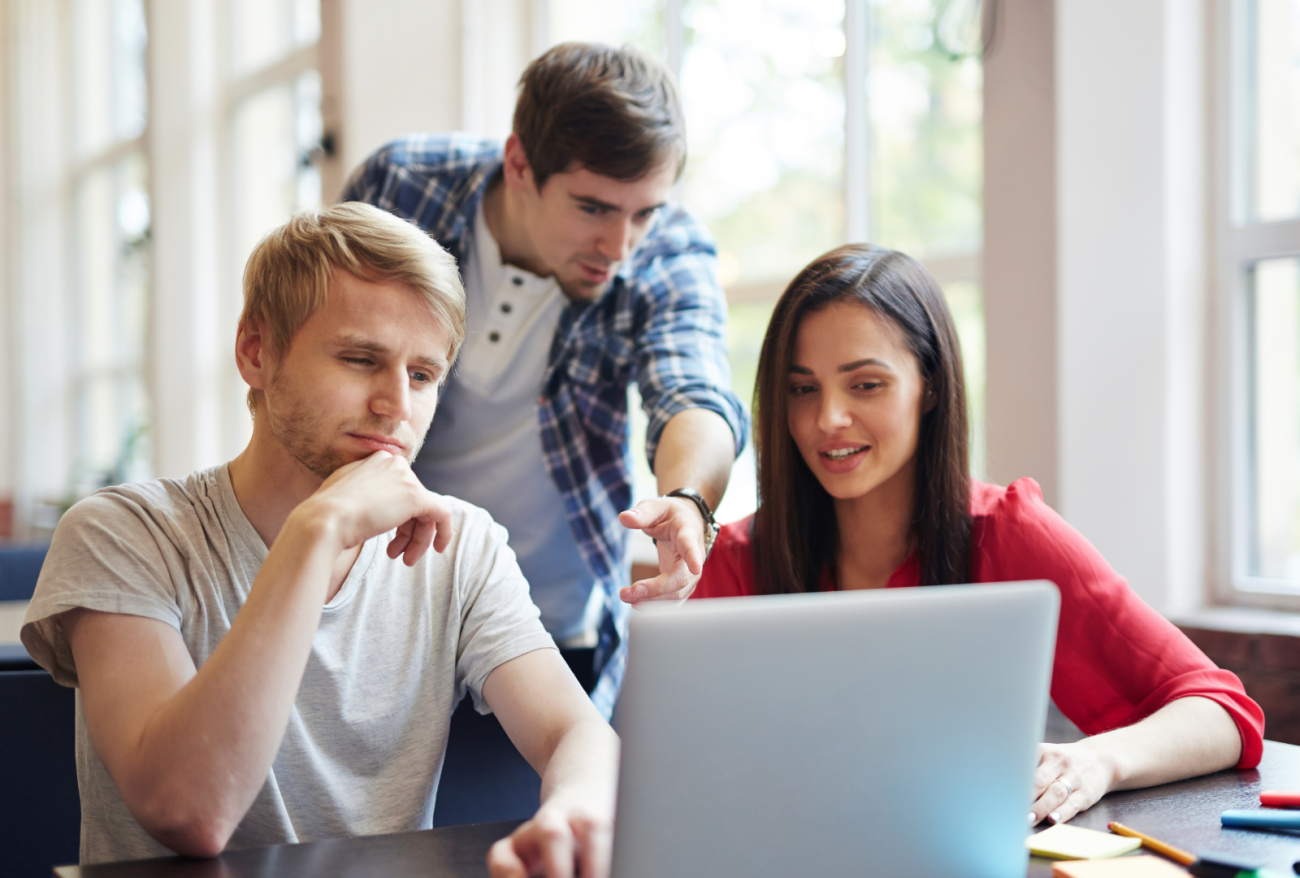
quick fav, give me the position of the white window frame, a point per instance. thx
(1239, 243)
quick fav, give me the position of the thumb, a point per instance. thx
(634, 517)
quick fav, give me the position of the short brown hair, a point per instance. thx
(615, 112)
(287, 277)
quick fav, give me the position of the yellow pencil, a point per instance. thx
(1173, 853)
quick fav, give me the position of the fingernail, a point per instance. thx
(1055, 817)
(1032, 819)
(640, 593)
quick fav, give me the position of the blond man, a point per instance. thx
(267, 651)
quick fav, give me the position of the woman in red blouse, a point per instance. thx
(860, 429)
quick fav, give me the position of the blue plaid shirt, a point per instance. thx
(661, 323)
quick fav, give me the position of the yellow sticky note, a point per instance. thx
(1062, 842)
(1145, 866)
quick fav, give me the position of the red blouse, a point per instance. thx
(1117, 660)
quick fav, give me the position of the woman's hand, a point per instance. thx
(1070, 779)
(1186, 738)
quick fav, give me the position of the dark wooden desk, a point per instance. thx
(1184, 814)
(452, 852)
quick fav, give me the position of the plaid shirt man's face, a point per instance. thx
(581, 225)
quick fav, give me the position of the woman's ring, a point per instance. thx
(1069, 790)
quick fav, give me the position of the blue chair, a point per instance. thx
(40, 809)
(484, 779)
(20, 565)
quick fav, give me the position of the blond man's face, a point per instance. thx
(361, 375)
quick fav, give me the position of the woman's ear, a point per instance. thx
(929, 399)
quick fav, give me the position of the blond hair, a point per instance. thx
(287, 277)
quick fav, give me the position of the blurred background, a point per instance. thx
(1107, 192)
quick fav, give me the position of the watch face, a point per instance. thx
(710, 535)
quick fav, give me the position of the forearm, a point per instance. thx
(1185, 738)
(696, 450)
(583, 768)
(202, 755)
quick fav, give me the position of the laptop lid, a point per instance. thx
(853, 733)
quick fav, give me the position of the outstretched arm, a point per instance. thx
(696, 451)
(552, 722)
(1185, 738)
(189, 749)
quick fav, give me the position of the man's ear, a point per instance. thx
(253, 354)
(517, 172)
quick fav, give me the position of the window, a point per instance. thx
(1260, 276)
(273, 146)
(812, 123)
(106, 111)
(110, 272)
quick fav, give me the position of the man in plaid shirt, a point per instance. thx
(580, 278)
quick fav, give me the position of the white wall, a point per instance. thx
(1019, 261)
(400, 70)
(1095, 271)
(449, 65)
(1132, 245)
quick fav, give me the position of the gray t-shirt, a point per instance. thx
(396, 650)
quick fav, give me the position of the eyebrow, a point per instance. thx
(847, 367)
(605, 205)
(361, 343)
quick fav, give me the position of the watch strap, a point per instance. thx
(711, 527)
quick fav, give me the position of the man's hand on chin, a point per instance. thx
(563, 840)
(377, 494)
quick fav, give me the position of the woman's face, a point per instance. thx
(855, 400)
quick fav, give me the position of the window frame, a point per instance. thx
(80, 376)
(1238, 244)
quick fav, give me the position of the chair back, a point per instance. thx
(40, 809)
(20, 567)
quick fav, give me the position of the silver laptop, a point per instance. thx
(849, 734)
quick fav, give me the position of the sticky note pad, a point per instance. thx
(1062, 842)
(1145, 866)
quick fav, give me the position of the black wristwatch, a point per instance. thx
(710, 523)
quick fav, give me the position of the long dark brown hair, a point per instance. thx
(796, 537)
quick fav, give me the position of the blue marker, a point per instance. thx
(1261, 819)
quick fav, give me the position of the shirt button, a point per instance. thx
(506, 308)
(494, 336)
(517, 281)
